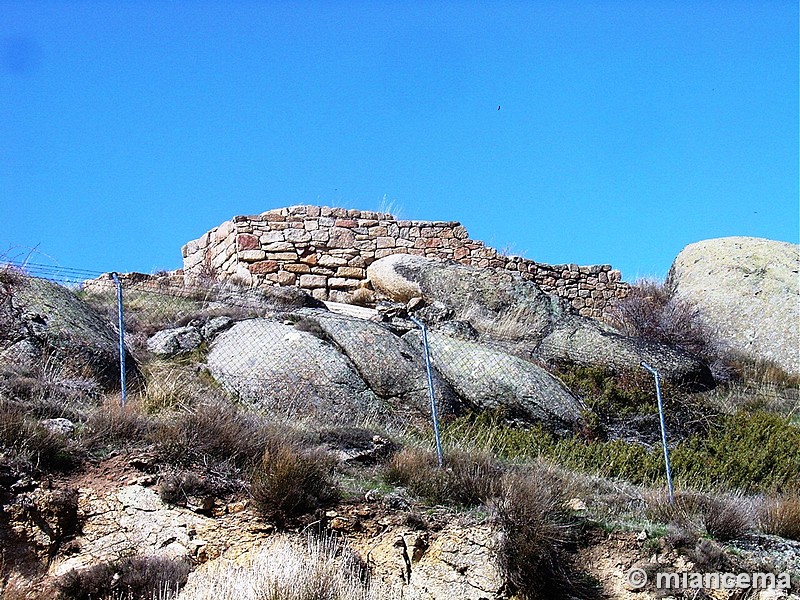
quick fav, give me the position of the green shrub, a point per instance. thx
(751, 451)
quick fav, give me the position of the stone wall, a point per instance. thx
(327, 250)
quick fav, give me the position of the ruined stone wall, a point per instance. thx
(327, 250)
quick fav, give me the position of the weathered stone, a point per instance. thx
(313, 281)
(264, 266)
(171, 342)
(747, 291)
(246, 241)
(292, 373)
(252, 255)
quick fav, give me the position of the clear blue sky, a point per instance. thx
(626, 129)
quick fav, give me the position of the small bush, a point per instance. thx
(725, 519)
(781, 516)
(26, 440)
(134, 578)
(467, 478)
(537, 532)
(291, 482)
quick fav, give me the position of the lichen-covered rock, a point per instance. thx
(42, 322)
(174, 341)
(507, 310)
(748, 291)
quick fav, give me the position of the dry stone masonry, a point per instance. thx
(327, 251)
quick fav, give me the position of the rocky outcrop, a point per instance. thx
(747, 290)
(508, 310)
(458, 562)
(393, 370)
(43, 323)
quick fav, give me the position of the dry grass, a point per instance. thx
(321, 569)
(467, 478)
(781, 516)
(722, 517)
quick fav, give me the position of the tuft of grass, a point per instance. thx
(467, 478)
(781, 516)
(25, 440)
(112, 426)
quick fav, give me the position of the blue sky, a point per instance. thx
(626, 130)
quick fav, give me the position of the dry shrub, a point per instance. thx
(27, 441)
(467, 478)
(291, 482)
(211, 433)
(537, 535)
(652, 312)
(781, 516)
(112, 425)
(722, 517)
(134, 578)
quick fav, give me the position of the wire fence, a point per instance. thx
(275, 347)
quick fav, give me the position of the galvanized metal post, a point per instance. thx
(121, 326)
(663, 430)
(431, 393)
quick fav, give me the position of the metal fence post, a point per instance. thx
(121, 325)
(431, 393)
(663, 430)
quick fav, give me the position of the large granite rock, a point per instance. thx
(490, 379)
(393, 370)
(292, 372)
(748, 291)
(43, 324)
(507, 309)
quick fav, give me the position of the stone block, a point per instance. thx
(313, 281)
(269, 237)
(326, 260)
(264, 267)
(278, 247)
(297, 236)
(352, 272)
(341, 237)
(281, 256)
(246, 241)
(297, 268)
(385, 242)
(343, 283)
(252, 255)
